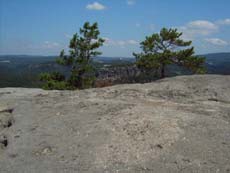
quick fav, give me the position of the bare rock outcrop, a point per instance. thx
(179, 124)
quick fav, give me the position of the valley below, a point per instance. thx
(24, 71)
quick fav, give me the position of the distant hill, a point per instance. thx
(218, 63)
(23, 70)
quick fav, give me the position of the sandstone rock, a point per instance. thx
(178, 124)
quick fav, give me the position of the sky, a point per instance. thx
(44, 27)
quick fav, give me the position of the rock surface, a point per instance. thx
(179, 124)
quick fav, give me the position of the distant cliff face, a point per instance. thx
(118, 72)
(117, 75)
(179, 124)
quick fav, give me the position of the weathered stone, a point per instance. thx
(179, 124)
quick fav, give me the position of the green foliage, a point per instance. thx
(165, 48)
(54, 81)
(82, 48)
(56, 76)
(56, 85)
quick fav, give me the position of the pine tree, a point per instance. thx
(82, 49)
(165, 48)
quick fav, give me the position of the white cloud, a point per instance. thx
(108, 41)
(121, 43)
(138, 25)
(198, 28)
(131, 2)
(95, 6)
(202, 24)
(216, 41)
(50, 45)
(132, 42)
(224, 22)
(68, 35)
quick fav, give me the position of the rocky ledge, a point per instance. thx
(179, 124)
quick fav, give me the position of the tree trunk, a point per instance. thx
(162, 71)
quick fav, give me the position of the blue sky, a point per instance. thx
(44, 27)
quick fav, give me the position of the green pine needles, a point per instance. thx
(82, 47)
(165, 48)
(159, 51)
